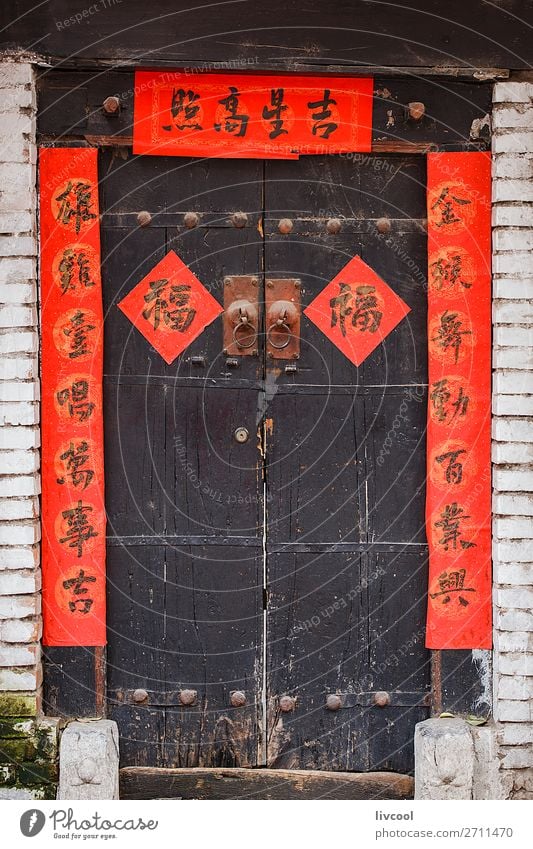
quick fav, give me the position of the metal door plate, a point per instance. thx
(237, 288)
(285, 289)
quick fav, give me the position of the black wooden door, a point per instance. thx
(291, 567)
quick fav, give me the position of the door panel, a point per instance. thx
(184, 498)
(345, 475)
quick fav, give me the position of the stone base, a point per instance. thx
(89, 760)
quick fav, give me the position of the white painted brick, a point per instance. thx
(517, 358)
(24, 342)
(19, 534)
(20, 485)
(514, 573)
(509, 711)
(17, 245)
(26, 293)
(513, 480)
(513, 382)
(511, 288)
(16, 222)
(19, 606)
(19, 437)
(18, 508)
(19, 558)
(512, 312)
(512, 405)
(512, 430)
(516, 735)
(519, 116)
(20, 630)
(520, 663)
(514, 527)
(511, 92)
(512, 505)
(515, 687)
(17, 269)
(513, 642)
(14, 582)
(516, 757)
(514, 620)
(511, 142)
(513, 551)
(504, 190)
(15, 74)
(512, 452)
(19, 390)
(22, 462)
(520, 598)
(17, 98)
(20, 679)
(508, 239)
(15, 316)
(17, 150)
(512, 337)
(19, 368)
(515, 215)
(16, 177)
(20, 655)
(516, 262)
(16, 125)
(16, 199)
(23, 413)
(513, 166)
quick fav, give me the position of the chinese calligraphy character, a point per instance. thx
(77, 333)
(441, 396)
(174, 308)
(75, 203)
(273, 114)
(184, 110)
(79, 530)
(322, 127)
(447, 272)
(232, 120)
(449, 334)
(453, 582)
(446, 203)
(450, 522)
(339, 307)
(73, 270)
(362, 309)
(454, 467)
(75, 459)
(76, 585)
(76, 396)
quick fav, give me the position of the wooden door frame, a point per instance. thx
(75, 677)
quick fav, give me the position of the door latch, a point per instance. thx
(241, 315)
(282, 304)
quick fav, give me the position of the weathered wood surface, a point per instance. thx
(346, 33)
(70, 105)
(145, 783)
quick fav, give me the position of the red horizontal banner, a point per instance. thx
(249, 116)
(458, 508)
(73, 514)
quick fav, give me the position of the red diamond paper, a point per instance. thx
(170, 307)
(357, 310)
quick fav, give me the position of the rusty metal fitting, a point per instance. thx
(237, 699)
(285, 225)
(111, 105)
(382, 699)
(333, 702)
(191, 219)
(239, 219)
(140, 696)
(333, 225)
(187, 697)
(144, 218)
(383, 225)
(417, 110)
(287, 704)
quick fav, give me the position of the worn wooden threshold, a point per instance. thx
(202, 783)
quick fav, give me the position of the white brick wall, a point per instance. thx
(20, 579)
(512, 431)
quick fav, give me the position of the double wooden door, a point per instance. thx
(266, 547)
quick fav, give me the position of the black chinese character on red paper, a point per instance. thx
(447, 205)
(76, 458)
(273, 113)
(450, 583)
(170, 303)
(74, 270)
(445, 405)
(184, 109)
(76, 586)
(449, 334)
(75, 204)
(78, 528)
(233, 121)
(76, 399)
(453, 468)
(322, 126)
(361, 306)
(450, 522)
(447, 272)
(77, 332)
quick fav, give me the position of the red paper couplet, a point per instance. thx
(73, 514)
(250, 116)
(458, 506)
